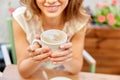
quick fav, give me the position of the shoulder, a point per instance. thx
(19, 11)
(84, 19)
(85, 16)
(18, 16)
(80, 24)
(84, 11)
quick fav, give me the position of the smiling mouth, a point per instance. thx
(52, 8)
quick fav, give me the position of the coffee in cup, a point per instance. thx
(53, 38)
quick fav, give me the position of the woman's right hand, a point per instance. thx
(37, 53)
(40, 54)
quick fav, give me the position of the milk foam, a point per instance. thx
(53, 37)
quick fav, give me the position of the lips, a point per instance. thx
(52, 8)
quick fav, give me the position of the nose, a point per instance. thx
(51, 1)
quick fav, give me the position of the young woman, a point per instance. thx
(37, 16)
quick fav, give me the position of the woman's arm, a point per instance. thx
(27, 65)
(70, 54)
(75, 65)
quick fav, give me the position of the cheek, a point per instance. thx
(64, 0)
(39, 1)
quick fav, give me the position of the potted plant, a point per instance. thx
(107, 13)
(103, 41)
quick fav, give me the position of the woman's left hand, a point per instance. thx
(63, 55)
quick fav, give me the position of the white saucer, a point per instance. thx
(60, 78)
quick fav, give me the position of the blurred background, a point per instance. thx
(103, 37)
(4, 8)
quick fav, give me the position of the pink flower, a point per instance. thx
(11, 10)
(101, 18)
(110, 16)
(99, 5)
(106, 5)
(111, 22)
(115, 2)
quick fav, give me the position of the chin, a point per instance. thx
(52, 15)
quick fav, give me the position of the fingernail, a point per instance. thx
(48, 57)
(61, 46)
(32, 48)
(54, 62)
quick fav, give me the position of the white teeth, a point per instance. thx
(52, 8)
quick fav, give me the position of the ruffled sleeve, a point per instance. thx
(18, 15)
(71, 29)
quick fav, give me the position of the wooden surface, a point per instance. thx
(103, 32)
(11, 73)
(103, 44)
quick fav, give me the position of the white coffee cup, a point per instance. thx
(52, 38)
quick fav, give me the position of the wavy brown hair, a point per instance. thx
(73, 10)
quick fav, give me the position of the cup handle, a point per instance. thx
(36, 40)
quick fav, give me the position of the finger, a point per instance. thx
(61, 53)
(59, 59)
(66, 46)
(37, 45)
(40, 61)
(35, 53)
(32, 54)
(37, 36)
(42, 50)
(41, 57)
(61, 62)
(39, 51)
(31, 48)
(44, 59)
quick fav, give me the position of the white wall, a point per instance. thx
(90, 2)
(4, 38)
